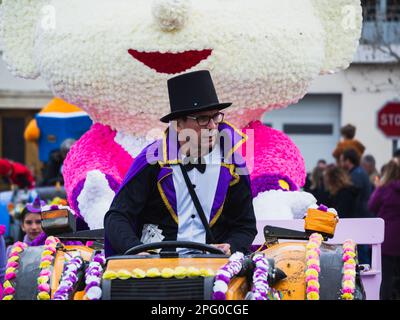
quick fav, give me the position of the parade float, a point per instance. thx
(113, 59)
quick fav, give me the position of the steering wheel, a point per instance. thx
(174, 245)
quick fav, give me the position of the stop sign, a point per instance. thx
(389, 119)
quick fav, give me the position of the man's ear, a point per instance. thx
(18, 22)
(342, 22)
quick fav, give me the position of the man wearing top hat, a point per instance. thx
(155, 203)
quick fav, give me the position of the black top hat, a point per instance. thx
(190, 93)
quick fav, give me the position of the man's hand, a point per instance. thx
(143, 253)
(225, 247)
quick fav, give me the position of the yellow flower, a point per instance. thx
(311, 245)
(43, 279)
(43, 296)
(16, 249)
(47, 253)
(207, 272)
(312, 253)
(351, 261)
(13, 258)
(44, 264)
(193, 272)
(312, 272)
(180, 272)
(153, 273)
(9, 270)
(124, 274)
(350, 272)
(109, 275)
(9, 297)
(313, 283)
(347, 296)
(312, 296)
(167, 273)
(312, 261)
(7, 284)
(138, 273)
(348, 284)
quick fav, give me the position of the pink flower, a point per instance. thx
(311, 277)
(347, 290)
(47, 258)
(312, 289)
(10, 276)
(45, 273)
(44, 287)
(9, 291)
(12, 264)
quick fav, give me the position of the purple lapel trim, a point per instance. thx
(224, 180)
(167, 191)
(150, 154)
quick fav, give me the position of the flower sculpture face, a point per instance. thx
(112, 58)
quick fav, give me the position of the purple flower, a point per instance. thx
(223, 278)
(219, 296)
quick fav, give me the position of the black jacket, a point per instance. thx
(139, 202)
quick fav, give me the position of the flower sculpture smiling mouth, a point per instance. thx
(171, 63)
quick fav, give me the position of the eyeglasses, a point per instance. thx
(30, 222)
(204, 120)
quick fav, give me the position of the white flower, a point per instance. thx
(220, 286)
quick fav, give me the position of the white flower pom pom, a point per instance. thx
(220, 286)
(170, 14)
(94, 293)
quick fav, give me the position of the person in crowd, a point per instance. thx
(385, 203)
(322, 164)
(318, 188)
(350, 161)
(3, 257)
(342, 193)
(52, 171)
(31, 224)
(397, 154)
(17, 174)
(309, 177)
(368, 163)
(348, 141)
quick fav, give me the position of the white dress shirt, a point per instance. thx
(190, 225)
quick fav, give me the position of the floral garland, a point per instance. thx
(11, 270)
(349, 270)
(45, 271)
(93, 276)
(69, 278)
(166, 273)
(313, 266)
(225, 275)
(261, 289)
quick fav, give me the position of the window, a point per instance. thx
(369, 9)
(324, 129)
(393, 10)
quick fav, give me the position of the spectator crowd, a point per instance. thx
(356, 189)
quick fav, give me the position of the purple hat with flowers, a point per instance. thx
(36, 205)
